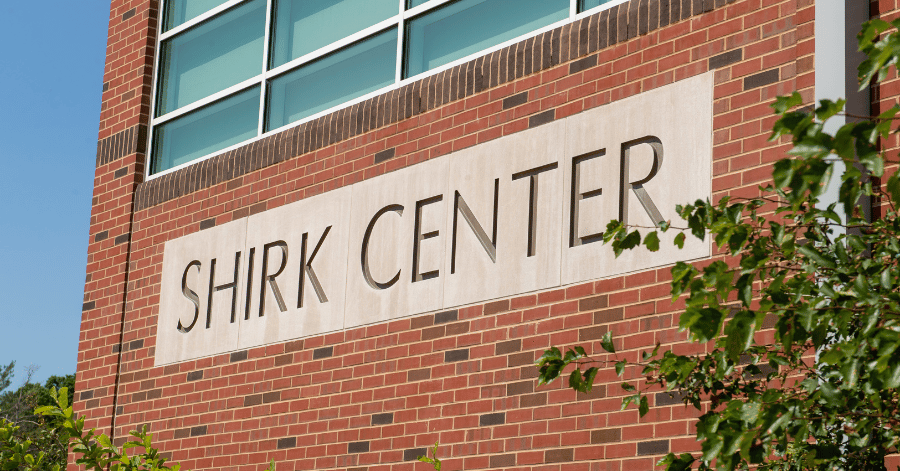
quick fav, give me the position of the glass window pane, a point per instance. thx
(302, 26)
(207, 130)
(327, 82)
(468, 26)
(584, 5)
(182, 11)
(211, 57)
(414, 3)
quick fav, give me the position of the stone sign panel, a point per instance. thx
(518, 214)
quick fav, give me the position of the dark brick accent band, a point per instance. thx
(566, 43)
(446, 316)
(238, 356)
(413, 454)
(582, 64)
(88, 306)
(324, 352)
(85, 395)
(122, 239)
(199, 430)
(128, 14)
(495, 307)
(492, 419)
(253, 400)
(523, 387)
(384, 155)
(655, 447)
(121, 172)
(289, 442)
(559, 456)
(101, 236)
(761, 79)
(610, 435)
(271, 397)
(383, 419)
(358, 447)
(130, 141)
(726, 58)
(609, 315)
(418, 375)
(511, 346)
(515, 100)
(669, 398)
(207, 223)
(195, 375)
(136, 344)
(541, 118)
(456, 355)
(592, 304)
(503, 461)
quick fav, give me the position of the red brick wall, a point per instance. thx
(120, 168)
(371, 397)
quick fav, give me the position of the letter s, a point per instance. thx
(191, 296)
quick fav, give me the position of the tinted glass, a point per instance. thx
(302, 26)
(465, 27)
(182, 11)
(207, 130)
(346, 74)
(211, 57)
(414, 3)
(588, 4)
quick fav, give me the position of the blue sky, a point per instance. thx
(51, 75)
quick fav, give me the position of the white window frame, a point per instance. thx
(266, 74)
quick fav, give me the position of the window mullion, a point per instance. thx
(400, 40)
(148, 169)
(267, 41)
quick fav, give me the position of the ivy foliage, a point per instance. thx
(434, 462)
(93, 451)
(20, 424)
(825, 394)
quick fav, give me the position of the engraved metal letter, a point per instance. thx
(215, 289)
(532, 202)
(249, 282)
(364, 256)
(577, 196)
(625, 182)
(460, 207)
(418, 237)
(192, 297)
(306, 269)
(271, 278)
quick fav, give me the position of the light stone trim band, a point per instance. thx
(393, 246)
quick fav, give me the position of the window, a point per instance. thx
(231, 71)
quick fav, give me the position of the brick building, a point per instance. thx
(335, 363)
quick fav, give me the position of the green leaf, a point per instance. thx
(816, 256)
(643, 407)
(620, 367)
(783, 173)
(651, 240)
(606, 342)
(679, 240)
(575, 381)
